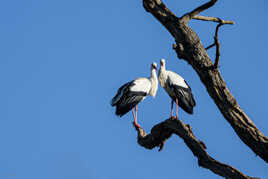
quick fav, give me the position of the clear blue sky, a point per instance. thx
(62, 61)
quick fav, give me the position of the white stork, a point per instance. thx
(133, 92)
(177, 88)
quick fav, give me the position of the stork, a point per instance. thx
(177, 89)
(130, 94)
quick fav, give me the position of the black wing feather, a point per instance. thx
(120, 91)
(128, 100)
(184, 96)
(192, 96)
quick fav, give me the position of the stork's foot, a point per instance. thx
(136, 125)
(173, 117)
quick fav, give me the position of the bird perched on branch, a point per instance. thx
(130, 94)
(177, 88)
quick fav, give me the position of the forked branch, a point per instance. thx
(162, 131)
(188, 16)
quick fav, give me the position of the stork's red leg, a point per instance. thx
(177, 108)
(135, 119)
(171, 114)
(136, 109)
(133, 114)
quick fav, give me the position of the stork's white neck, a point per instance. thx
(162, 76)
(153, 74)
(154, 82)
(162, 68)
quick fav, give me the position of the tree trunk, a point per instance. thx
(189, 47)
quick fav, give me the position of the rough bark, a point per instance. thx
(162, 131)
(189, 47)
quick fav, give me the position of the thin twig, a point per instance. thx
(213, 19)
(210, 46)
(217, 43)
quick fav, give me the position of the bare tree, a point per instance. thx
(189, 48)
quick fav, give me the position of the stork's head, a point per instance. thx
(154, 66)
(162, 63)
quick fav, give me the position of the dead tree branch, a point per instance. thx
(217, 43)
(192, 14)
(162, 131)
(189, 47)
(216, 40)
(213, 19)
